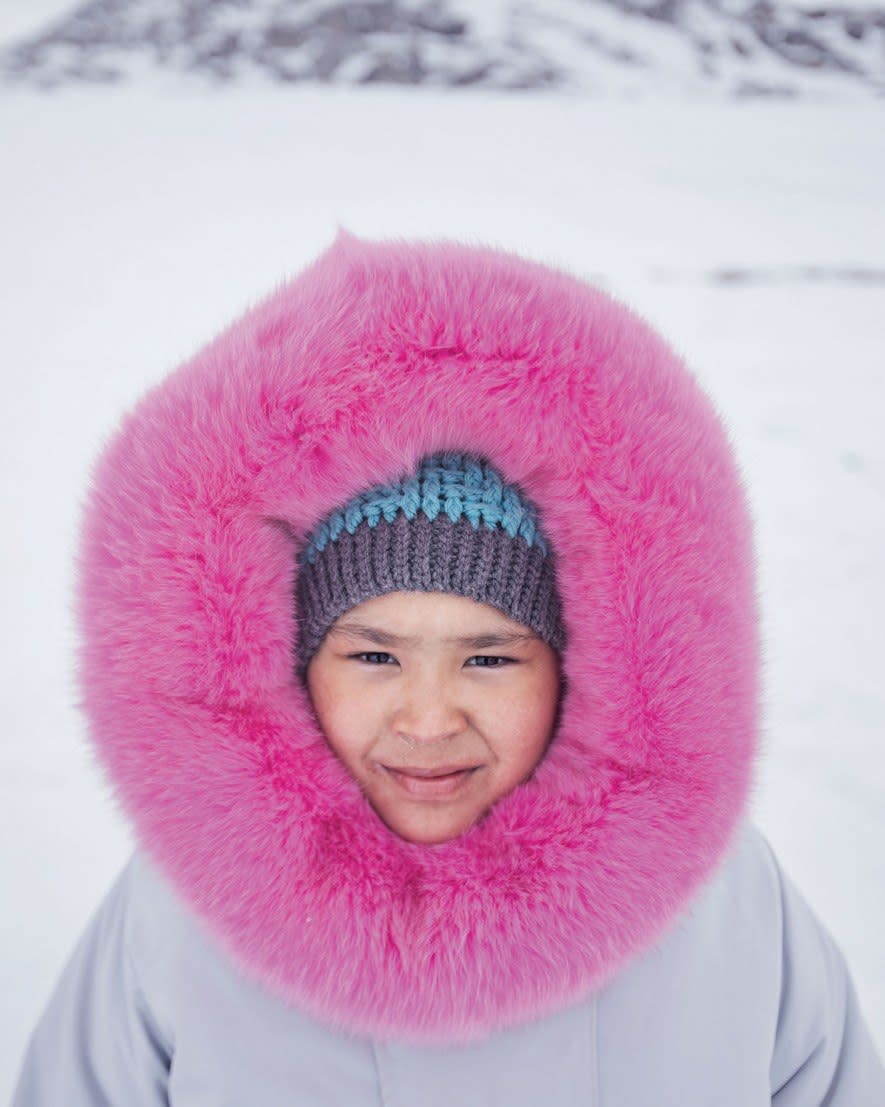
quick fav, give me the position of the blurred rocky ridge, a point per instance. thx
(633, 47)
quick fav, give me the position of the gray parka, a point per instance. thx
(748, 1002)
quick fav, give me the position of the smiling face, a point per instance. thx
(436, 704)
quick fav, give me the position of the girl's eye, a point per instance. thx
(486, 661)
(371, 658)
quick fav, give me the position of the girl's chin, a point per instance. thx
(432, 829)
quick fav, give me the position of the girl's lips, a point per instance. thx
(430, 787)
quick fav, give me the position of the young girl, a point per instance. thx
(420, 646)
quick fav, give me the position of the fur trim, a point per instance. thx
(346, 375)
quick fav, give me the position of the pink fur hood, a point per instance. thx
(374, 355)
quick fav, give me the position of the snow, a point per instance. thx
(714, 48)
(24, 17)
(137, 223)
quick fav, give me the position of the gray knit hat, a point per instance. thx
(453, 526)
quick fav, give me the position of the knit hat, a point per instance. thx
(454, 525)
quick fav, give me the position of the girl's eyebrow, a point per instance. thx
(385, 638)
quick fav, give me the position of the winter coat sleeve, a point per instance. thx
(96, 1043)
(823, 1052)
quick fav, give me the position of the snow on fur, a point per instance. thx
(346, 375)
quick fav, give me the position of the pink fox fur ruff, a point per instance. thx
(375, 354)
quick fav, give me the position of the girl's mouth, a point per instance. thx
(430, 784)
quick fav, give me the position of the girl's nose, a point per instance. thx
(427, 713)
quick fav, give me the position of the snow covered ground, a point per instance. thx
(730, 48)
(136, 222)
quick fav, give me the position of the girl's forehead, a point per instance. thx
(414, 617)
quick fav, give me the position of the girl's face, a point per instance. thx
(438, 706)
